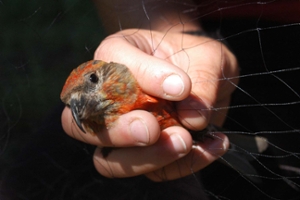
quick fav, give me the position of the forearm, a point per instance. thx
(161, 16)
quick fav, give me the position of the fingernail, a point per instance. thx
(178, 144)
(216, 146)
(139, 131)
(173, 85)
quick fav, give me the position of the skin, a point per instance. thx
(195, 72)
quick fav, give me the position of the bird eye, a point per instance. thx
(94, 78)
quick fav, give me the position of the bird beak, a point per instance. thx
(75, 108)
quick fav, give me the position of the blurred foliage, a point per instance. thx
(40, 42)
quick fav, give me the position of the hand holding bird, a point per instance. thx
(160, 153)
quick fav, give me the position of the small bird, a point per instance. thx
(98, 92)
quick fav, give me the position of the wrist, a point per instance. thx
(160, 16)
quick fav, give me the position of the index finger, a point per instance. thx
(127, 131)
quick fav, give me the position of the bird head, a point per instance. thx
(98, 93)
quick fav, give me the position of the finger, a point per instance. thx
(210, 86)
(174, 143)
(218, 115)
(156, 76)
(193, 113)
(198, 158)
(136, 128)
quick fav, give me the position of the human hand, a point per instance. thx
(199, 63)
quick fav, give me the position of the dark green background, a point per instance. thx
(42, 41)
